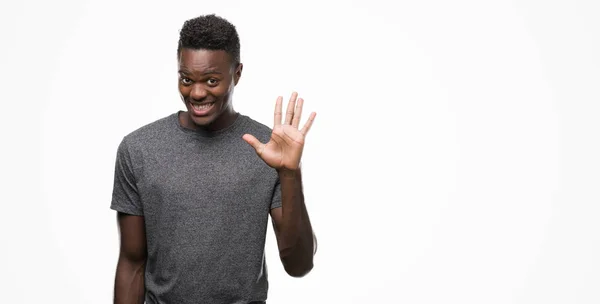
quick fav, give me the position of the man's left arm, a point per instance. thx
(295, 238)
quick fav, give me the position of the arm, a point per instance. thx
(295, 238)
(283, 152)
(129, 279)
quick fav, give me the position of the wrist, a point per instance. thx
(288, 173)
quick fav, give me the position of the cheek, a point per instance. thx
(222, 90)
(184, 91)
(228, 88)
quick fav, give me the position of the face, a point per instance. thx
(206, 82)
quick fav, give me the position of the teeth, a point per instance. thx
(202, 107)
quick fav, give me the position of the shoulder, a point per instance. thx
(261, 131)
(150, 132)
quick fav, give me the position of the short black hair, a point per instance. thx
(210, 32)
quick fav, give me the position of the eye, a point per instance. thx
(186, 81)
(213, 82)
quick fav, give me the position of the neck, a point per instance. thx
(225, 120)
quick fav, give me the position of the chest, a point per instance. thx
(192, 178)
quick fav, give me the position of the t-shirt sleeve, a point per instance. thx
(125, 196)
(276, 200)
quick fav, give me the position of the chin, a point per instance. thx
(203, 121)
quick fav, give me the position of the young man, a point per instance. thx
(194, 190)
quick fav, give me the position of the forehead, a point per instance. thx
(204, 60)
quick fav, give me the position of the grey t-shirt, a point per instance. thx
(205, 198)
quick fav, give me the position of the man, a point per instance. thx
(194, 190)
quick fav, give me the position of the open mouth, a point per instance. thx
(202, 109)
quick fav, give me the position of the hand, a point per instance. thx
(284, 150)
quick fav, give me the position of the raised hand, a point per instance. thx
(284, 149)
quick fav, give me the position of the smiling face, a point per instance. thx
(207, 79)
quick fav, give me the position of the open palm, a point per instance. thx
(284, 149)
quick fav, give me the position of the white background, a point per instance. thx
(455, 157)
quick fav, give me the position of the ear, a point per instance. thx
(238, 73)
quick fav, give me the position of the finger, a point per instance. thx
(255, 143)
(278, 110)
(297, 113)
(290, 109)
(308, 123)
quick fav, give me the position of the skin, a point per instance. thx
(208, 76)
(295, 238)
(129, 280)
(211, 76)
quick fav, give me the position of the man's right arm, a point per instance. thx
(129, 280)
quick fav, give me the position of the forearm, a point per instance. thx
(129, 282)
(296, 235)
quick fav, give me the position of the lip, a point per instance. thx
(203, 112)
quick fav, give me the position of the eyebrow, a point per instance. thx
(187, 72)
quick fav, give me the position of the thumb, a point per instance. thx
(255, 143)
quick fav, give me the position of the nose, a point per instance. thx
(198, 92)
